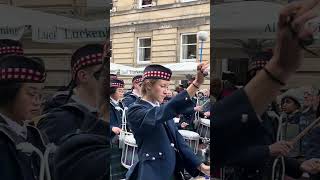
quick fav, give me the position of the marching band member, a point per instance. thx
(116, 94)
(80, 107)
(162, 152)
(249, 103)
(21, 83)
(135, 94)
(86, 155)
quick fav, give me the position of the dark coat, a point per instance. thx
(69, 118)
(14, 164)
(83, 156)
(156, 155)
(115, 117)
(240, 139)
(129, 100)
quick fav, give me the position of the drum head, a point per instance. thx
(130, 140)
(205, 122)
(189, 134)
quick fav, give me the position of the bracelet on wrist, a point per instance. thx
(273, 78)
(195, 86)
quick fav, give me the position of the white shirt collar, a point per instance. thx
(20, 130)
(114, 101)
(157, 104)
(133, 92)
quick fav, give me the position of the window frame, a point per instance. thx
(138, 50)
(144, 6)
(181, 47)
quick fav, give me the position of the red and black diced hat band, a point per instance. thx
(113, 76)
(137, 79)
(156, 71)
(258, 64)
(117, 83)
(88, 60)
(11, 50)
(22, 75)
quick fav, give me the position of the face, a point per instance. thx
(89, 78)
(118, 94)
(159, 90)
(28, 101)
(137, 86)
(289, 106)
(307, 98)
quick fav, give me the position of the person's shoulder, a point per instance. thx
(58, 99)
(60, 114)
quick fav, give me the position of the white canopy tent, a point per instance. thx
(83, 31)
(123, 70)
(248, 20)
(15, 20)
(49, 28)
(245, 20)
(183, 68)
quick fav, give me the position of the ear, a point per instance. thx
(149, 86)
(82, 76)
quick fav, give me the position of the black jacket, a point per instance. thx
(240, 139)
(17, 165)
(67, 119)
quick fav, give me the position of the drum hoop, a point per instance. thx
(205, 123)
(128, 138)
(195, 137)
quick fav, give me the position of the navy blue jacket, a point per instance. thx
(129, 100)
(157, 158)
(16, 165)
(115, 117)
(69, 118)
(240, 139)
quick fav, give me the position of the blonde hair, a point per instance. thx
(146, 84)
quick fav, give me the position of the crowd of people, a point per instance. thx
(75, 132)
(62, 137)
(256, 140)
(164, 101)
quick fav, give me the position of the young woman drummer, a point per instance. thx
(162, 152)
(21, 82)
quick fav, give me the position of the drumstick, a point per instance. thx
(207, 101)
(305, 131)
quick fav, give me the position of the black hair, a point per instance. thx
(10, 89)
(112, 90)
(8, 92)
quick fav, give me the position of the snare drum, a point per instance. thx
(129, 152)
(176, 120)
(204, 128)
(192, 138)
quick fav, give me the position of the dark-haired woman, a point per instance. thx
(21, 82)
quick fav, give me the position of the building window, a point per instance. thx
(144, 50)
(188, 47)
(145, 3)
